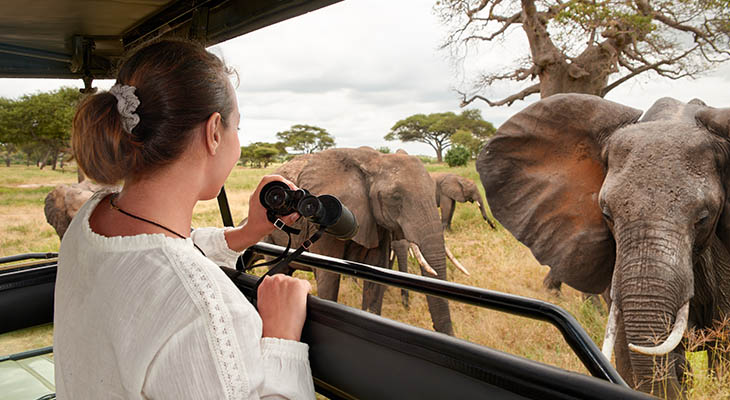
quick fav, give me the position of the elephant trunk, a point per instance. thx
(656, 375)
(483, 209)
(432, 247)
(652, 282)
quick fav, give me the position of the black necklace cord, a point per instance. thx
(115, 207)
(282, 266)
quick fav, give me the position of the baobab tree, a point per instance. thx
(589, 46)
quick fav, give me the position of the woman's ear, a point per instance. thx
(213, 129)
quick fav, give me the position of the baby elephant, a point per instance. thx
(451, 188)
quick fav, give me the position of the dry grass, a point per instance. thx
(494, 258)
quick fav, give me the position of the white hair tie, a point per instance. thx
(127, 103)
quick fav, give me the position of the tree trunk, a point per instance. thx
(586, 73)
(55, 160)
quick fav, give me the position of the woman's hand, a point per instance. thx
(282, 304)
(257, 224)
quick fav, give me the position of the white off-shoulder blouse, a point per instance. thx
(150, 317)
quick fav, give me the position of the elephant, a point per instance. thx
(392, 198)
(64, 201)
(451, 188)
(636, 208)
(400, 250)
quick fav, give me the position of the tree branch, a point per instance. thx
(648, 67)
(507, 23)
(507, 100)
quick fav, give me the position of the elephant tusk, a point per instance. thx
(680, 325)
(455, 261)
(609, 339)
(392, 256)
(421, 260)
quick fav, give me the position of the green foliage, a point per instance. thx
(603, 15)
(469, 141)
(39, 125)
(261, 154)
(437, 129)
(384, 149)
(457, 156)
(306, 138)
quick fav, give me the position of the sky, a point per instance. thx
(357, 67)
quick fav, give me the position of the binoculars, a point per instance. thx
(325, 210)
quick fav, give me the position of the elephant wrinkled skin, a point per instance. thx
(64, 201)
(392, 198)
(637, 208)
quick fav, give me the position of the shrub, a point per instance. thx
(457, 156)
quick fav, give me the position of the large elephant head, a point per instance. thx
(636, 207)
(392, 198)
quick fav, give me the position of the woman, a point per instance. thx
(142, 309)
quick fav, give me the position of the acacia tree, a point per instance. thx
(575, 45)
(436, 129)
(40, 124)
(306, 138)
(8, 130)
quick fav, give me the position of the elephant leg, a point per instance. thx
(328, 284)
(373, 293)
(551, 283)
(447, 212)
(595, 299)
(400, 247)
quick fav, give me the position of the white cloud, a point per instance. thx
(357, 67)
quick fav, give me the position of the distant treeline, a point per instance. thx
(36, 128)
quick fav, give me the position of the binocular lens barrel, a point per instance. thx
(341, 222)
(324, 210)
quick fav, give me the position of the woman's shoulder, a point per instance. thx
(206, 284)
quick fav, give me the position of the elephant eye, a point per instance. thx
(607, 216)
(704, 216)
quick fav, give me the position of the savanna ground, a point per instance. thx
(495, 259)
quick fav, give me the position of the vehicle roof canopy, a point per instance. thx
(86, 38)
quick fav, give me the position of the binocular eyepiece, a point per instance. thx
(324, 210)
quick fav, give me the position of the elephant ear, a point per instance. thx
(453, 188)
(542, 173)
(717, 121)
(342, 173)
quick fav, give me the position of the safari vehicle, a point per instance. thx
(353, 354)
